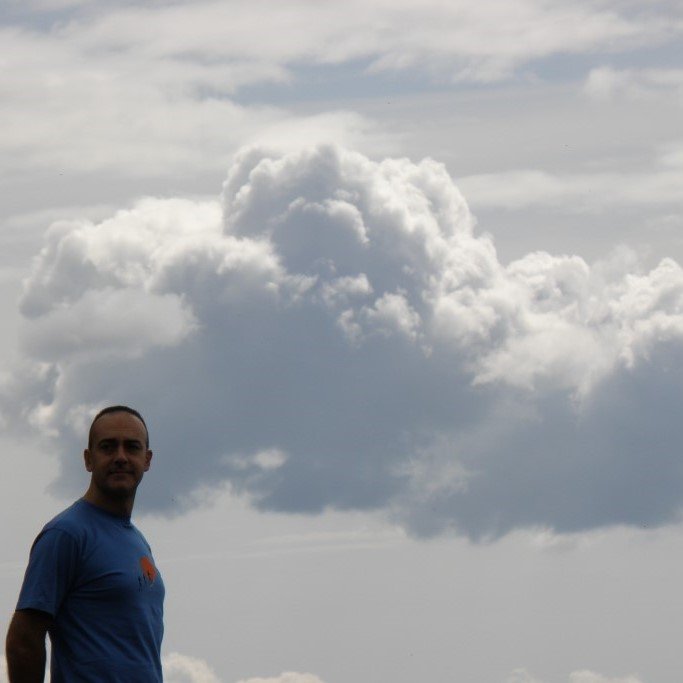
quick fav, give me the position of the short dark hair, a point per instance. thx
(117, 409)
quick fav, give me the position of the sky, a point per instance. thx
(398, 287)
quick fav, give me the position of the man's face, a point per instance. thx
(117, 457)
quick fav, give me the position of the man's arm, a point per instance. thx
(25, 646)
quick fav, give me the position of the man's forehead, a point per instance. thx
(119, 423)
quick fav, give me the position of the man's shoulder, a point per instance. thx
(57, 545)
(72, 520)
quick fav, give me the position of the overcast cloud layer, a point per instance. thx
(328, 298)
(129, 92)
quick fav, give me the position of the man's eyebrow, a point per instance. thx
(113, 439)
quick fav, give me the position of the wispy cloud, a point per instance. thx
(395, 34)
(286, 677)
(151, 89)
(581, 193)
(84, 113)
(608, 83)
(584, 676)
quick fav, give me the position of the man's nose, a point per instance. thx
(121, 454)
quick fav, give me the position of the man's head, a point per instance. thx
(117, 409)
(117, 457)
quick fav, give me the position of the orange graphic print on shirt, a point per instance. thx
(149, 571)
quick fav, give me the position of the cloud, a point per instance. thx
(580, 192)
(607, 83)
(86, 326)
(180, 668)
(335, 333)
(409, 33)
(523, 676)
(590, 677)
(184, 669)
(92, 88)
(286, 677)
(111, 114)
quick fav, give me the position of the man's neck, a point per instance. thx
(122, 507)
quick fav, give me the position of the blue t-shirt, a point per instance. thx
(93, 572)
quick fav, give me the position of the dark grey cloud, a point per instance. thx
(336, 334)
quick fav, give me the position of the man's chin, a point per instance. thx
(122, 490)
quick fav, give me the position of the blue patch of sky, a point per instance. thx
(563, 68)
(666, 56)
(43, 18)
(20, 15)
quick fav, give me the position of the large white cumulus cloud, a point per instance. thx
(335, 333)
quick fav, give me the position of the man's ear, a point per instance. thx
(87, 459)
(148, 459)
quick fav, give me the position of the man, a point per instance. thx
(91, 582)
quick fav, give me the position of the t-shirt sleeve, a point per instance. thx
(50, 573)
